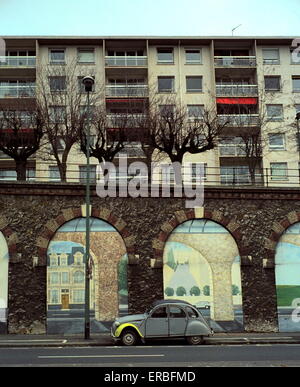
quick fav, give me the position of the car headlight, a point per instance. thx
(117, 323)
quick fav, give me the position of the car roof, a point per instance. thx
(161, 302)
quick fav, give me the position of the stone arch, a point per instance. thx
(10, 236)
(231, 225)
(277, 230)
(218, 269)
(51, 227)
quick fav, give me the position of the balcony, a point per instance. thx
(232, 150)
(124, 120)
(17, 61)
(236, 90)
(126, 61)
(239, 120)
(235, 61)
(17, 91)
(126, 91)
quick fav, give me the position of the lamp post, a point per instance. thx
(298, 140)
(88, 83)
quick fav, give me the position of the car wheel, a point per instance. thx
(129, 338)
(195, 340)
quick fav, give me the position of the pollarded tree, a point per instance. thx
(21, 133)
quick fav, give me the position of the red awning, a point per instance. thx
(237, 101)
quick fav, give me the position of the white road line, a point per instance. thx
(96, 356)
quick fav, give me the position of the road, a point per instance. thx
(154, 356)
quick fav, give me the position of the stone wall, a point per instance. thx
(32, 213)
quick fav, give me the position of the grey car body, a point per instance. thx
(166, 319)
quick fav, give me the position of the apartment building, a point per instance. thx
(253, 83)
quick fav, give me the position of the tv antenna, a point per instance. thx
(235, 29)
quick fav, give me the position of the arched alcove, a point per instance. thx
(287, 274)
(65, 276)
(202, 266)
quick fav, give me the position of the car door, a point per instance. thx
(157, 323)
(177, 321)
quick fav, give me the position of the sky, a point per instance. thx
(150, 17)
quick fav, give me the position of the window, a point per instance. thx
(176, 312)
(63, 260)
(195, 111)
(54, 297)
(86, 55)
(295, 55)
(57, 56)
(275, 112)
(272, 83)
(271, 56)
(193, 56)
(54, 174)
(194, 84)
(279, 171)
(78, 277)
(54, 278)
(165, 55)
(296, 84)
(57, 83)
(83, 173)
(166, 84)
(65, 278)
(53, 260)
(160, 312)
(78, 296)
(166, 110)
(167, 174)
(57, 114)
(276, 141)
(8, 174)
(191, 312)
(235, 174)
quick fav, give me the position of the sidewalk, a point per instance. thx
(19, 341)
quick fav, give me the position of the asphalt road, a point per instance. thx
(154, 356)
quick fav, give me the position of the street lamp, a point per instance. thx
(88, 83)
(298, 140)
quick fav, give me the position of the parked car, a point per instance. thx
(165, 319)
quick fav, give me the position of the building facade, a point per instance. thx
(252, 83)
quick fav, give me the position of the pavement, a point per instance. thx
(243, 338)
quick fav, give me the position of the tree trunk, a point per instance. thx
(21, 169)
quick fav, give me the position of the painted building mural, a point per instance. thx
(287, 272)
(66, 277)
(3, 283)
(202, 266)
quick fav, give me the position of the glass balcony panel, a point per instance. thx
(17, 61)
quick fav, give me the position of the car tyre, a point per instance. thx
(195, 340)
(129, 338)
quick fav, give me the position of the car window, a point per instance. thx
(191, 312)
(176, 312)
(160, 312)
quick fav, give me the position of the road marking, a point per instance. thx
(96, 356)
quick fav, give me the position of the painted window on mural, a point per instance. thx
(202, 266)
(3, 283)
(66, 277)
(287, 272)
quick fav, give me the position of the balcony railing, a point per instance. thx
(235, 61)
(124, 120)
(17, 61)
(231, 150)
(236, 90)
(17, 91)
(126, 61)
(126, 91)
(239, 119)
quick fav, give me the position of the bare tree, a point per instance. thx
(62, 100)
(21, 132)
(169, 129)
